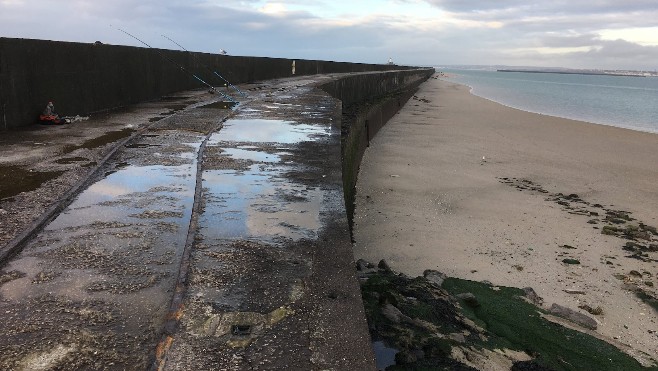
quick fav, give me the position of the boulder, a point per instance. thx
(435, 277)
(362, 265)
(532, 296)
(383, 265)
(573, 316)
(393, 314)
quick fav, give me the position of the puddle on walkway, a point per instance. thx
(71, 160)
(71, 285)
(14, 180)
(220, 105)
(258, 228)
(176, 107)
(260, 203)
(141, 145)
(138, 211)
(129, 191)
(102, 273)
(267, 131)
(109, 137)
(248, 153)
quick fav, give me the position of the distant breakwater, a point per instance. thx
(636, 74)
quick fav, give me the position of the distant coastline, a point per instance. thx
(631, 103)
(585, 72)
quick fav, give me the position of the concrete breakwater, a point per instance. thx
(281, 278)
(369, 101)
(85, 78)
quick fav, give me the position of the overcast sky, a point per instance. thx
(612, 34)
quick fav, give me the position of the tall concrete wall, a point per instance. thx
(369, 101)
(85, 78)
(367, 87)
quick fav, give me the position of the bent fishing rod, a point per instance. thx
(178, 65)
(215, 72)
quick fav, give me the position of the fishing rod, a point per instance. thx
(178, 65)
(215, 72)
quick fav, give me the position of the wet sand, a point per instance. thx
(481, 191)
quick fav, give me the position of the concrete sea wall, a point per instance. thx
(85, 78)
(369, 101)
(329, 321)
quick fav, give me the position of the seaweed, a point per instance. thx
(519, 325)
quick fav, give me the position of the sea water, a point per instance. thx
(622, 101)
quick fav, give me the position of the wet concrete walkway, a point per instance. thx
(263, 280)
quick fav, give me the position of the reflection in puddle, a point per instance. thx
(117, 240)
(256, 156)
(279, 131)
(131, 184)
(259, 202)
(72, 284)
(384, 355)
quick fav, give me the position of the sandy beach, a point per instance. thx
(481, 191)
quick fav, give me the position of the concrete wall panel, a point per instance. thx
(85, 78)
(369, 101)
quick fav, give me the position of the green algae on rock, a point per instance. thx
(433, 329)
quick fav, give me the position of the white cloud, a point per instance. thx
(647, 36)
(274, 9)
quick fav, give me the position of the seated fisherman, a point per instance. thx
(50, 117)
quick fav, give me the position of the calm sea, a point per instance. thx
(628, 102)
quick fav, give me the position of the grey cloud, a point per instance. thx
(556, 41)
(553, 24)
(555, 15)
(473, 6)
(624, 50)
(583, 23)
(297, 34)
(547, 7)
(209, 25)
(617, 54)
